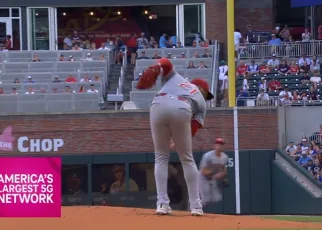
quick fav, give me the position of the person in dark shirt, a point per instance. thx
(143, 55)
(305, 78)
(156, 55)
(283, 68)
(250, 35)
(309, 167)
(313, 95)
(316, 168)
(305, 68)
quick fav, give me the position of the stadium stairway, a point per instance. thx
(113, 79)
(127, 84)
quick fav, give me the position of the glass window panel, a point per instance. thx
(192, 23)
(4, 13)
(142, 177)
(108, 184)
(74, 184)
(16, 34)
(15, 12)
(39, 29)
(3, 34)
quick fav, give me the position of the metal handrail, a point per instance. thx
(284, 49)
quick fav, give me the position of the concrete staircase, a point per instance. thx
(114, 82)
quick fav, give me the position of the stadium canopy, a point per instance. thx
(304, 3)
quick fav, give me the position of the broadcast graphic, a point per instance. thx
(30, 187)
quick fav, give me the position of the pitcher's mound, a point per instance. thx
(103, 218)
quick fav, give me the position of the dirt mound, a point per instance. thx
(97, 218)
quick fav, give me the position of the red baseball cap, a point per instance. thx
(165, 65)
(219, 141)
(203, 84)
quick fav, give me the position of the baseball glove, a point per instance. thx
(149, 77)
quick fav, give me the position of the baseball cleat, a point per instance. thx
(196, 212)
(163, 209)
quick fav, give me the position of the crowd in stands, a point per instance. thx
(308, 153)
(298, 80)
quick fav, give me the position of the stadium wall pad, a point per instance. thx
(122, 132)
(124, 138)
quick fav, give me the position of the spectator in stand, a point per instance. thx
(76, 39)
(306, 36)
(1, 91)
(313, 95)
(305, 68)
(263, 68)
(29, 80)
(93, 46)
(82, 89)
(285, 96)
(14, 91)
(305, 78)
(163, 41)
(61, 58)
(273, 63)
(30, 91)
(8, 43)
(68, 89)
(183, 55)
(250, 36)
(304, 97)
(76, 47)
(89, 57)
(42, 90)
(291, 148)
(314, 58)
(16, 80)
(245, 84)
(191, 65)
(202, 65)
(298, 153)
(169, 56)
(196, 55)
(132, 47)
(274, 84)
(304, 143)
(35, 58)
(304, 159)
(156, 55)
(56, 80)
(204, 43)
(304, 59)
(316, 167)
(274, 43)
(242, 93)
(296, 96)
(253, 68)
(102, 58)
(96, 79)
(142, 56)
(262, 97)
(152, 43)
(237, 37)
(86, 78)
(71, 79)
(309, 166)
(242, 68)
(170, 44)
(142, 41)
(283, 68)
(92, 89)
(109, 44)
(314, 66)
(285, 34)
(263, 84)
(315, 79)
(179, 45)
(206, 54)
(194, 44)
(103, 47)
(119, 48)
(294, 68)
(71, 58)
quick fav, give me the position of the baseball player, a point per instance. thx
(212, 171)
(177, 112)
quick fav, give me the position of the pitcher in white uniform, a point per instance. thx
(176, 113)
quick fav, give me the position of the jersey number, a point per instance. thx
(189, 87)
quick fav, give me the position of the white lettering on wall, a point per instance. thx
(39, 145)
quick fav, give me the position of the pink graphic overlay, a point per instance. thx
(6, 139)
(30, 187)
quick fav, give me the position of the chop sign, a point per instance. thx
(39, 145)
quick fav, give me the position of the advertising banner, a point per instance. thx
(301, 3)
(30, 187)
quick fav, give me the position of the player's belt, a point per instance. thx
(179, 97)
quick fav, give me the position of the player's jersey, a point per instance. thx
(211, 161)
(179, 86)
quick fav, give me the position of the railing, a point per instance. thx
(285, 49)
(274, 101)
(296, 137)
(215, 75)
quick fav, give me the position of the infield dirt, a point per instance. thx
(101, 218)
